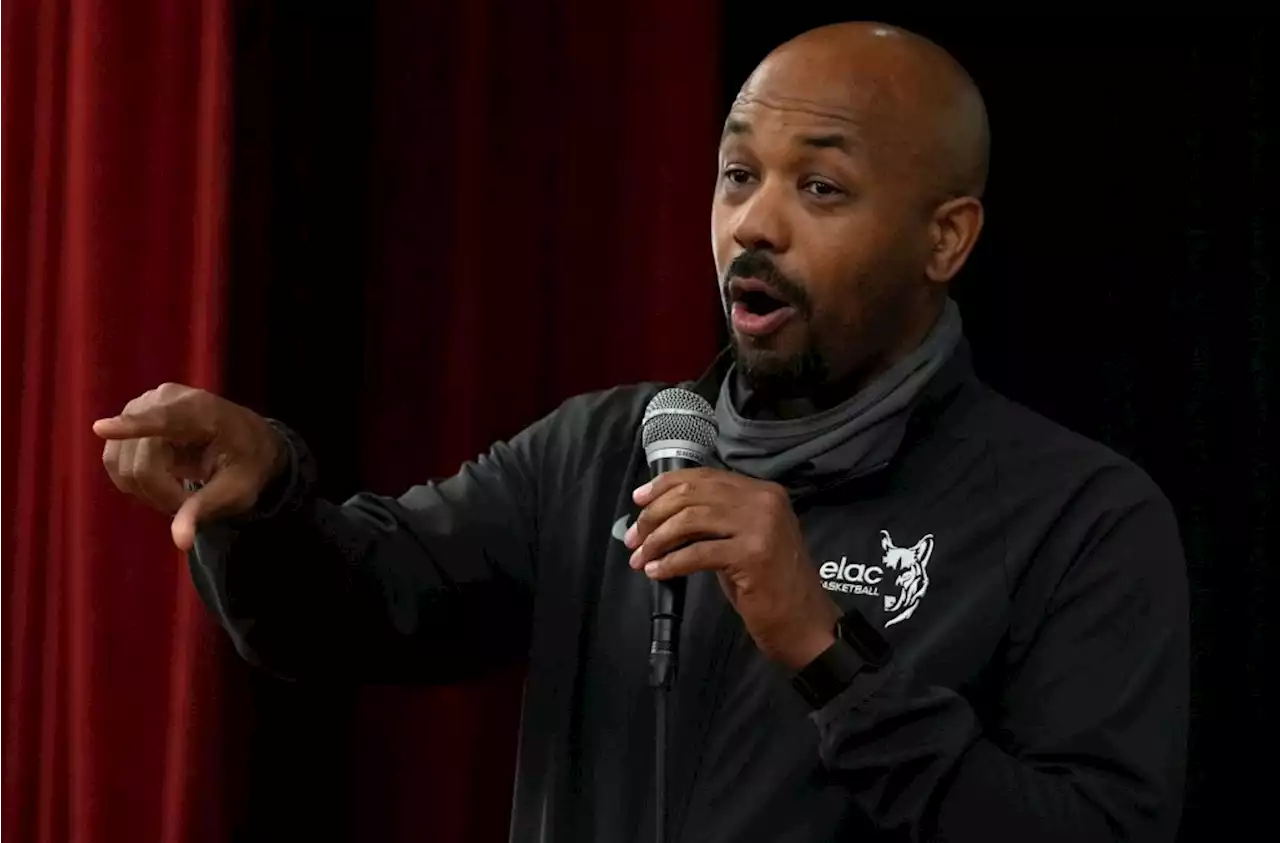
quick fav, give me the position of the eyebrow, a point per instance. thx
(735, 127)
(828, 140)
(832, 140)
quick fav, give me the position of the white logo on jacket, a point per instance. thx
(902, 571)
(911, 563)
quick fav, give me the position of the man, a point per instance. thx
(915, 610)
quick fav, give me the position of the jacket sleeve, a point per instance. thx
(1087, 741)
(433, 585)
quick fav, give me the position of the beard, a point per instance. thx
(776, 373)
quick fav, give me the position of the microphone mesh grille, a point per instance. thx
(680, 415)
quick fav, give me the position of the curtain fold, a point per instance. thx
(114, 178)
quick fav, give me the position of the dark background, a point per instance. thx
(1122, 287)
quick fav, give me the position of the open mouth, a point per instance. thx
(757, 308)
(758, 298)
(760, 303)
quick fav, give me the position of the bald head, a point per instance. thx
(851, 166)
(917, 110)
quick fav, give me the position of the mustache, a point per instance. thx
(757, 264)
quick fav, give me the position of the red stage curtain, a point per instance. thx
(114, 181)
(532, 223)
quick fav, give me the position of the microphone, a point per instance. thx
(679, 431)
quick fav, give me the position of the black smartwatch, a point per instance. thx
(858, 646)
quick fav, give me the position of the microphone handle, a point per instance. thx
(667, 601)
(664, 628)
(664, 621)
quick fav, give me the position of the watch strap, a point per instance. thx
(824, 678)
(858, 646)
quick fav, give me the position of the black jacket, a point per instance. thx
(1039, 686)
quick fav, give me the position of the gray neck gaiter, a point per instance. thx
(856, 436)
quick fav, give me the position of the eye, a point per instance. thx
(822, 189)
(737, 175)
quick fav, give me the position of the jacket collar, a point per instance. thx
(941, 391)
(941, 387)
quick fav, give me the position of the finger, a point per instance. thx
(673, 496)
(663, 483)
(133, 408)
(125, 465)
(153, 475)
(691, 524)
(225, 494)
(182, 420)
(111, 462)
(711, 555)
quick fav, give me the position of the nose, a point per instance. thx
(761, 221)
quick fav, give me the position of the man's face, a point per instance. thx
(818, 238)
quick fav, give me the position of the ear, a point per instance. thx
(954, 230)
(885, 542)
(924, 549)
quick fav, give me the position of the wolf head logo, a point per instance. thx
(912, 581)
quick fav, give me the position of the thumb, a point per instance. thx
(222, 495)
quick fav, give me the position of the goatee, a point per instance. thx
(768, 374)
(771, 376)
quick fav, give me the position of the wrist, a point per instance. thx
(280, 461)
(808, 648)
(855, 646)
(815, 639)
(288, 478)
